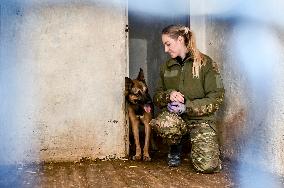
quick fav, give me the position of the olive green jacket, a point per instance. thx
(203, 95)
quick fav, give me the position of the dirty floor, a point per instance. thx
(117, 173)
(110, 173)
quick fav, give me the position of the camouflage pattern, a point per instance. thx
(203, 109)
(162, 98)
(203, 95)
(205, 149)
(170, 127)
(204, 141)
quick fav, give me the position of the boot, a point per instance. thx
(174, 156)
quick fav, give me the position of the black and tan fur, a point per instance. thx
(137, 98)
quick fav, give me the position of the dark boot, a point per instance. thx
(174, 156)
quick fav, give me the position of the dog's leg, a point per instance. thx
(146, 121)
(134, 121)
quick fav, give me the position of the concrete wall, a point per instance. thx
(62, 69)
(250, 56)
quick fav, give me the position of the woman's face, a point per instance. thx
(174, 47)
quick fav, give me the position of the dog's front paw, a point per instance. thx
(146, 158)
(136, 158)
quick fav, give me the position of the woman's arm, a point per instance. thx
(162, 95)
(214, 93)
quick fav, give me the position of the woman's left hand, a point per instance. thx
(176, 107)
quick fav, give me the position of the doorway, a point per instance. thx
(145, 46)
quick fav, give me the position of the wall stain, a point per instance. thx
(232, 133)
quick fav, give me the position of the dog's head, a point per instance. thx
(136, 91)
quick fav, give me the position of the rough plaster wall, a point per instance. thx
(234, 110)
(251, 120)
(276, 113)
(62, 78)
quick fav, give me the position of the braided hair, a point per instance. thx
(174, 31)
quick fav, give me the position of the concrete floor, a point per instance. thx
(120, 173)
(128, 173)
(111, 173)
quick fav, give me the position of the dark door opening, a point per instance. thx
(145, 46)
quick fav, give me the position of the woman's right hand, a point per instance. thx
(176, 96)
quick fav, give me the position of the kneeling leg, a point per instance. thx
(205, 153)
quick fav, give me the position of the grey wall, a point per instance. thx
(250, 55)
(62, 69)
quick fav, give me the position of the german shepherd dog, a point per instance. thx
(140, 110)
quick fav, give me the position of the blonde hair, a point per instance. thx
(174, 31)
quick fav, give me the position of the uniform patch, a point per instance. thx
(219, 82)
(172, 73)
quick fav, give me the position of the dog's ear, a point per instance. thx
(128, 85)
(140, 76)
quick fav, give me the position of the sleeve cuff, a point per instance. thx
(167, 95)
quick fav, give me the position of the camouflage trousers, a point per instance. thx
(205, 153)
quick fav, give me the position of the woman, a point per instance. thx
(189, 91)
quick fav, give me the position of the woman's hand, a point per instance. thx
(176, 96)
(176, 107)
